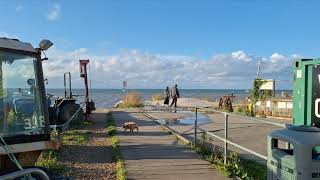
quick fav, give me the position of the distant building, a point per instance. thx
(275, 107)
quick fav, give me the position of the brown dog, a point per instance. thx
(130, 125)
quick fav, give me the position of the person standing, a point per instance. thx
(174, 95)
(166, 96)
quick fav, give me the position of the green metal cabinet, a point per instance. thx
(306, 92)
(300, 158)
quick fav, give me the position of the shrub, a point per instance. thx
(50, 159)
(157, 97)
(131, 100)
(244, 109)
(236, 166)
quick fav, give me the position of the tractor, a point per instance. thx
(64, 109)
(24, 118)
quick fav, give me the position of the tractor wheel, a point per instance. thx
(66, 112)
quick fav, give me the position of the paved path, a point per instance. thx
(248, 133)
(154, 154)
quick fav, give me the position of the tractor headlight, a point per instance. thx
(45, 44)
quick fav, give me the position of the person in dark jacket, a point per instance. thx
(175, 95)
(166, 96)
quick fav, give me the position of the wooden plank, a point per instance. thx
(26, 147)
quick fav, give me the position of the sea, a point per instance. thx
(107, 98)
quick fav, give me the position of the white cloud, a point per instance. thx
(145, 70)
(54, 12)
(7, 35)
(19, 8)
(240, 55)
(275, 57)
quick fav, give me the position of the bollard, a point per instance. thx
(226, 138)
(195, 127)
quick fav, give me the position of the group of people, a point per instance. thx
(172, 93)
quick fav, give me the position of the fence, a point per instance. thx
(276, 108)
(225, 139)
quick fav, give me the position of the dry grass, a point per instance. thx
(208, 98)
(132, 100)
(157, 97)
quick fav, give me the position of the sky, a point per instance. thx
(151, 44)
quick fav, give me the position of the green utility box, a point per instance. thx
(306, 92)
(294, 152)
(293, 155)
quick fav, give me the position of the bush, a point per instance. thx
(244, 109)
(50, 159)
(131, 100)
(157, 97)
(236, 166)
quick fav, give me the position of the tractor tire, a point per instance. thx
(66, 111)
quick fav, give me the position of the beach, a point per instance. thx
(107, 98)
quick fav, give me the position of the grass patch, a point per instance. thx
(236, 166)
(75, 137)
(80, 124)
(116, 153)
(50, 159)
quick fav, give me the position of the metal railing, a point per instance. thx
(225, 139)
(25, 172)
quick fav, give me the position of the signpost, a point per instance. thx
(124, 85)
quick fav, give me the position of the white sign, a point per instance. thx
(282, 105)
(299, 73)
(289, 105)
(268, 85)
(268, 104)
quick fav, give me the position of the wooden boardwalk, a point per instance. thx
(154, 154)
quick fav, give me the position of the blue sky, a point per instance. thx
(175, 31)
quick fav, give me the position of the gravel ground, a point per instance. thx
(94, 159)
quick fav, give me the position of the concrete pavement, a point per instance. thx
(152, 153)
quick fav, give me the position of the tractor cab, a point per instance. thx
(24, 121)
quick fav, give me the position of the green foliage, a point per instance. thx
(236, 166)
(75, 137)
(80, 124)
(11, 118)
(243, 109)
(258, 94)
(50, 159)
(116, 153)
